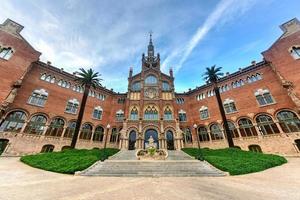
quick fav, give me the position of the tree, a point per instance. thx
(87, 79)
(213, 75)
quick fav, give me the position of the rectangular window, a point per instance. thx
(119, 117)
(71, 108)
(97, 114)
(37, 99)
(204, 114)
(264, 99)
(182, 117)
(230, 107)
(261, 100)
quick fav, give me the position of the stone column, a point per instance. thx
(260, 135)
(223, 134)
(279, 127)
(64, 131)
(92, 135)
(45, 129)
(23, 127)
(239, 132)
(209, 135)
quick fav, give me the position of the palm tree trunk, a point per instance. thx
(80, 115)
(221, 108)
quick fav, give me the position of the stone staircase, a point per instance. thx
(126, 164)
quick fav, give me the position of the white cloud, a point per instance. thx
(225, 10)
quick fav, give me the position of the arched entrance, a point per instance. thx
(297, 142)
(154, 134)
(170, 140)
(131, 140)
(3, 144)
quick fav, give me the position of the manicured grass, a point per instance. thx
(67, 161)
(236, 161)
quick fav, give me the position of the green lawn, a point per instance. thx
(236, 161)
(67, 161)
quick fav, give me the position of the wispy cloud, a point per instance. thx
(223, 12)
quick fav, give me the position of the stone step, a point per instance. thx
(125, 163)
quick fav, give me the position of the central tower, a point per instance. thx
(150, 104)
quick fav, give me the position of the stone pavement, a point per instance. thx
(21, 182)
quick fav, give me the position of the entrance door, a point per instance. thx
(131, 140)
(3, 144)
(298, 144)
(170, 140)
(154, 134)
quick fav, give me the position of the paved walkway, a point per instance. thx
(19, 181)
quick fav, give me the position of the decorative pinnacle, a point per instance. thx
(150, 33)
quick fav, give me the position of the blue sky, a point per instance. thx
(110, 36)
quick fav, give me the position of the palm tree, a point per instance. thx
(87, 79)
(213, 75)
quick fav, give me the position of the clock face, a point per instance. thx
(151, 93)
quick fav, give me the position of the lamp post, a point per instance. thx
(199, 156)
(105, 141)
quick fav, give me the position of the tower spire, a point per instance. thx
(150, 46)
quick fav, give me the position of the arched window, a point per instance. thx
(6, 53)
(295, 52)
(134, 114)
(166, 86)
(43, 77)
(136, 86)
(151, 79)
(48, 78)
(14, 122)
(36, 125)
(86, 132)
(151, 113)
(168, 113)
(249, 80)
(56, 127)
(255, 148)
(114, 135)
(203, 134)
(229, 106)
(258, 76)
(64, 84)
(203, 112)
(215, 132)
(52, 80)
(98, 134)
(246, 128)
(187, 135)
(120, 115)
(233, 131)
(38, 97)
(60, 82)
(182, 116)
(72, 106)
(97, 113)
(266, 125)
(70, 129)
(180, 100)
(289, 121)
(47, 148)
(263, 97)
(66, 148)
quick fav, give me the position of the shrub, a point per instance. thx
(67, 161)
(236, 161)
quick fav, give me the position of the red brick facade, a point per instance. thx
(262, 101)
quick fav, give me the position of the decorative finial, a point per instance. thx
(150, 33)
